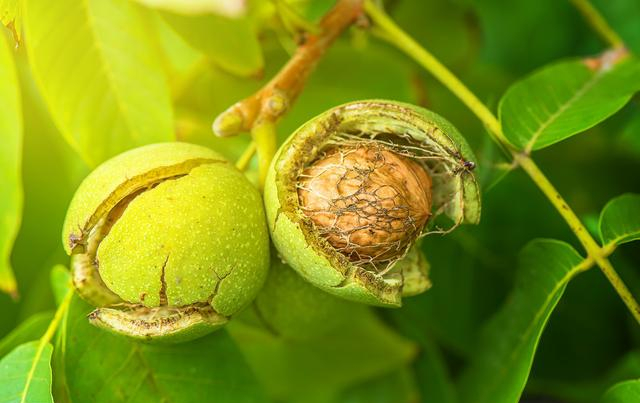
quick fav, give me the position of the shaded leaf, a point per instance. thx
(629, 140)
(502, 38)
(104, 86)
(567, 98)
(232, 44)
(318, 370)
(623, 15)
(227, 8)
(10, 164)
(501, 365)
(623, 392)
(430, 367)
(397, 387)
(26, 374)
(620, 220)
(587, 390)
(101, 367)
(30, 329)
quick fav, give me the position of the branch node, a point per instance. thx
(229, 123)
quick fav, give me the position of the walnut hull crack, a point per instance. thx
(167, 240)
(160, 324)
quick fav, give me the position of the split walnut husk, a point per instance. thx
(167, 241)
(351, 193)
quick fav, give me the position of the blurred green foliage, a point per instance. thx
(590, 341)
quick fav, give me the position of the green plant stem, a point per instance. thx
(264, 135)
(598, 23)
(404, 42)
(594, 250)
(245, 159)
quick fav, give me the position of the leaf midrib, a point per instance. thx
(521, 341)
(563, 107)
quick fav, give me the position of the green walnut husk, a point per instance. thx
(168, 241)
(404, 129)
(301, 341)
(291, 308)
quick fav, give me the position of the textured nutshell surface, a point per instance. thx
(367, 202)
(455, 194)
(173, 226)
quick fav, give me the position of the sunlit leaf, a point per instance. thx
(623, 392)
(232, 44)
(567, 98)
(31, 329)
(26, 374)
(502, 360)
(10, 164)
(227, 8)
(11, 16)
(102, 367)
(620, 220)
(99, 74)
(60, 282)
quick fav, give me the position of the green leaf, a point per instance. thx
(623, 392)
(26, 374)
(32, 328)
(620, 220)
(430, 366)
(101, 367)
(397, 387)
(11, 16)
(228, 8)
(501, 364)
(60, 282)
(10, 164)
(232, 44)
(318, 370)
(566, 98)
(623, 16)
(503, 42)
(629, 140)
(99, 73)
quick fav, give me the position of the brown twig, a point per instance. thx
(275, 98)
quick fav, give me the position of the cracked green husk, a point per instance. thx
(444, 153)
(168, 241)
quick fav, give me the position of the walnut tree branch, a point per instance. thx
(275, 98)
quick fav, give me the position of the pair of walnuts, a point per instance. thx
(170, 240)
